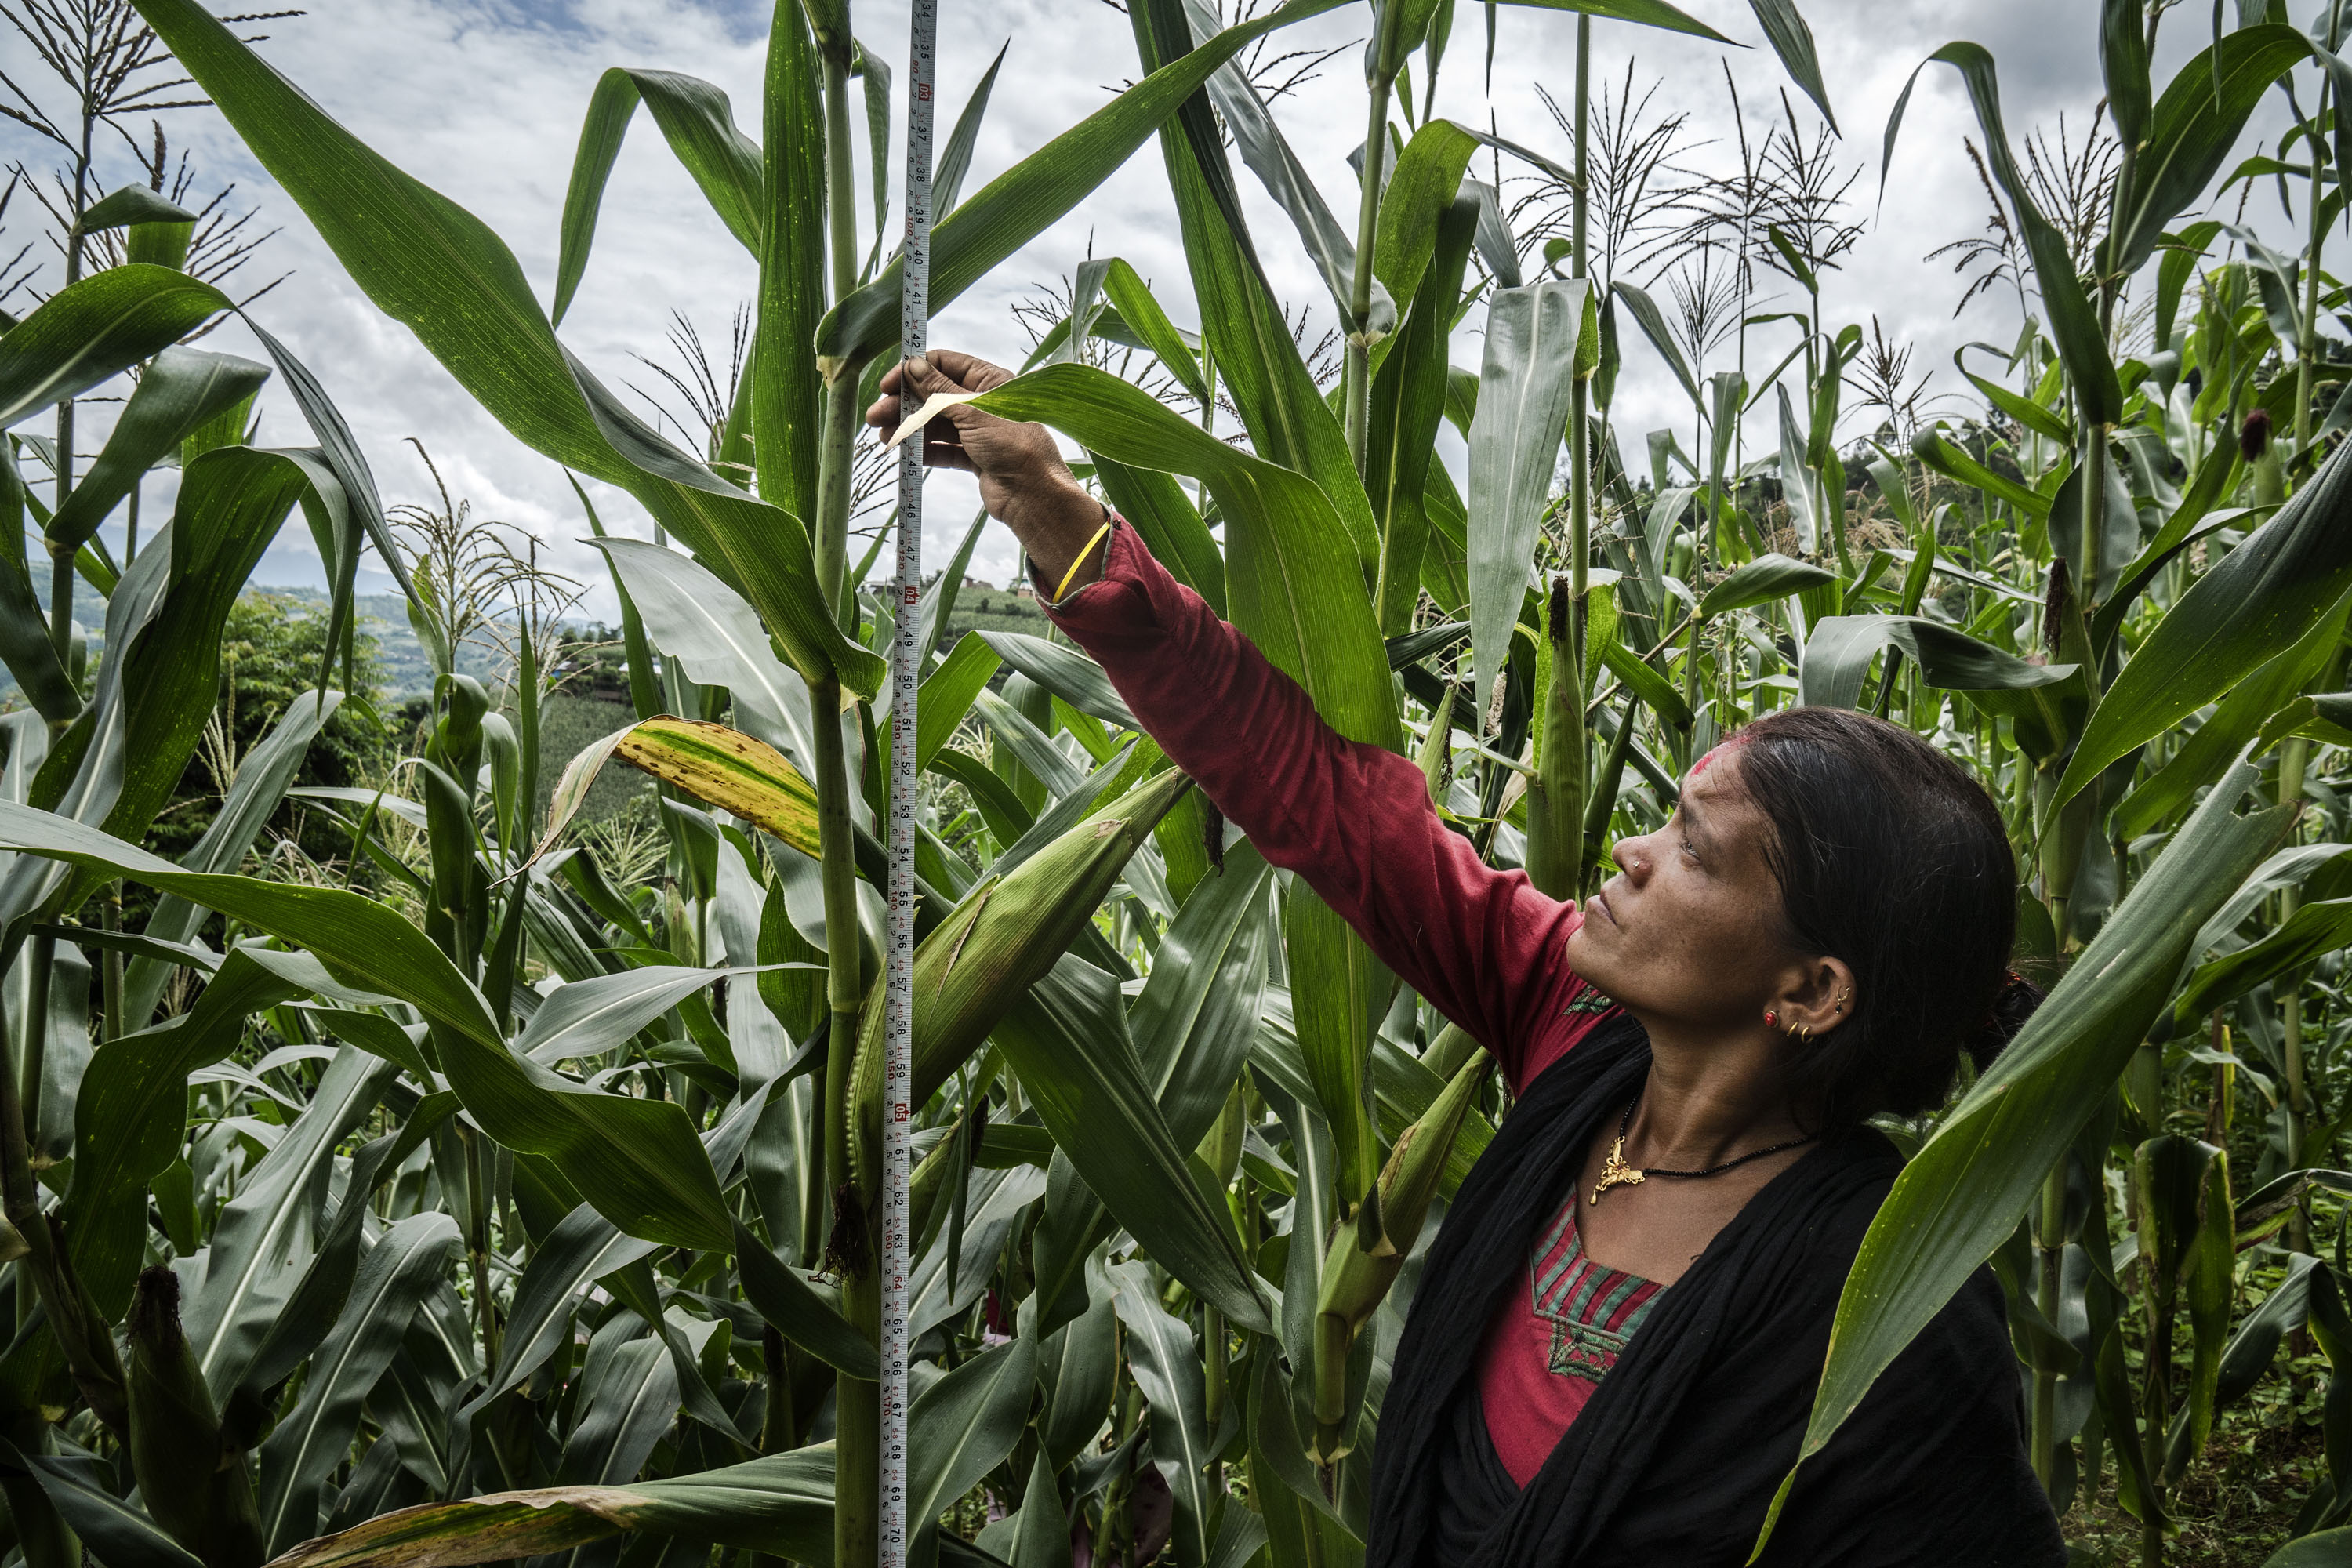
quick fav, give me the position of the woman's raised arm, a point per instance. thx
(1354, 820)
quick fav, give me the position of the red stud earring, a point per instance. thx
(1771, 1019)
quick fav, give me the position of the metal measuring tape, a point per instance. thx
(898, 1023)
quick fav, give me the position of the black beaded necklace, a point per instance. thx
(1616, 1173)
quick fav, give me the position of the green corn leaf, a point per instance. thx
(247, 1285)
(1420, 193)
(717, 637)
(785, 1299)
(2311, 933)
(303, 1451)
(129, 205)
(955, 152)
(2322, 1549)
(1839, 651)
(2194, 125)
(1949, 460)
(1964, 1191)
(1794, 42)
(787, 397)
(2024, 410)
(1532, 336)
(2081, 341)
(2248, 607)
(263, 776)
(1021, 202)
(1137, 306)
(1066, 1039)
(105, 1522)
(432, 265)
(971, 1418)
(699, 125)
(1768, 577)
(89, 329)
(1641, 12)
(627, 1398)
(180, 389)
(25, 645)
(2248, 707)
(1267, 154)
(947, 693)
(582, 1249)
(1645, 683)
(635, 1158)
(316, 1302)
(1063, 672)
(1408, 399)
(129, 1116)
(1259, 363)
(1165, 1358)
(1009, 930)
(589, 1018)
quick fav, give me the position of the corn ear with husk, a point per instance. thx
(1355, 1283)
(1004, 936)
(199, 1494)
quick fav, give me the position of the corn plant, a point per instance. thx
(484, 1204)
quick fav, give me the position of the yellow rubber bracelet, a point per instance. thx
(1084, 550)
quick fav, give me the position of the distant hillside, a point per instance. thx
(400, 657)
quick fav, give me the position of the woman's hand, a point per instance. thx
(1024, 483)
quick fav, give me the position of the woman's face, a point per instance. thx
(1688, 933)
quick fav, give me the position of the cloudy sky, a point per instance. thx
(483, 99)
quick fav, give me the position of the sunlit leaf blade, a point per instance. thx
(728, 769)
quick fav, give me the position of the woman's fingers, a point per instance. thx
(968, 372)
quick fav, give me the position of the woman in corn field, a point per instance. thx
(1612, 1351)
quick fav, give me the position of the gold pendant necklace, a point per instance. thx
(1616, 1173)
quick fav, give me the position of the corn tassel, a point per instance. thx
(1355, 1283)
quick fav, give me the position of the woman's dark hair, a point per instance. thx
(1891, 858)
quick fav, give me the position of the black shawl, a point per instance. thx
(1678, 1453)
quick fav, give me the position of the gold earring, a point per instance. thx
(1843, 992)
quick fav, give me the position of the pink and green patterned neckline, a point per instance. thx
(1592, 1309)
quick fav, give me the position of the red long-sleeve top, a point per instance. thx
(1355, 822)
